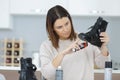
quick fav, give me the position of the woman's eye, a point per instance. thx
(66, 23)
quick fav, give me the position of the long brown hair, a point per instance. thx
(53, 14)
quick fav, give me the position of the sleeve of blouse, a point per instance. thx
(99, 58)
(47, 69)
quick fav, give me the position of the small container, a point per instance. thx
(82, 45)
(108, 70)
(8, 52)
(9, 45)
(16, 53)
(59, 73)
(16, 45)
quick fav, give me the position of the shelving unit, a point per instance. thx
(13, 50)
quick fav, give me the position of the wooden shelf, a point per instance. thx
(13, 49)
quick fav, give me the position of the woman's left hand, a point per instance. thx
(104, 38)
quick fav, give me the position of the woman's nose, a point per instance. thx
(65, 28)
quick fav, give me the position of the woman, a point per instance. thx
(57, 51)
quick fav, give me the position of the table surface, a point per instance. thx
(18, 68)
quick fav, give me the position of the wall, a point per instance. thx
(32, 30)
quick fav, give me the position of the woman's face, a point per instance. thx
(62, 27)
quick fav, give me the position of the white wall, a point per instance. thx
(32, 30)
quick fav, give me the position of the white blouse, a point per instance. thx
(76, 66)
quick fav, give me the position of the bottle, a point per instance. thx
(36, 59)
(108, 70)
(82, 45)
(59, 73)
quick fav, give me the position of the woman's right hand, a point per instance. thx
(74, 45)
(58, 59)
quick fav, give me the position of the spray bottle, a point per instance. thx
(59, 73)
(108, 70)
